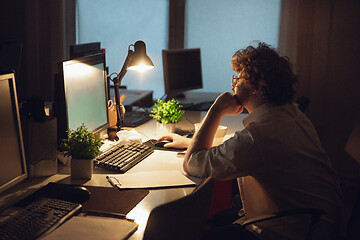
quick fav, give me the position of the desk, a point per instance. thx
(159, 160)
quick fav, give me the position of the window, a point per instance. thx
(119, 23)
(220, 28)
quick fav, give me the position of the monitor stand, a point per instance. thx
(200, 100)
(180, 96)
(177, 96)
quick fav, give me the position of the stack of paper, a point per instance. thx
(151, 179)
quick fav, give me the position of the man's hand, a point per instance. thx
(227, 104)
(178, 141)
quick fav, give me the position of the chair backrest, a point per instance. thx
(283, 225)
(353, 227)
(184, 218)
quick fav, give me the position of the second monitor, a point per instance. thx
(82, 95)
(182, 71)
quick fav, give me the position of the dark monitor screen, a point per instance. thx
(84, 94)
(12, 160)
(182, 70)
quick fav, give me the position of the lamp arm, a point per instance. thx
(117, 80)
(117, 83)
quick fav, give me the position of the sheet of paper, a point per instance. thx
(93, 228)
(151, 179)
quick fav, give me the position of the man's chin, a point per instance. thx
(239, 101)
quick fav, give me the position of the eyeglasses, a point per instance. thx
(235, 80)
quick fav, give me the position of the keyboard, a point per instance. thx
(122, 157)
(38, 218)
(135, 118)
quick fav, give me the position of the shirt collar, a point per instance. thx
(260, 110)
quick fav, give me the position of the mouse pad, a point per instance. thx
(111, 199)
(151, 143)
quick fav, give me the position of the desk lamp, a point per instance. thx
(136, 60)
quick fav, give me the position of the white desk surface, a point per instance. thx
(158, 161)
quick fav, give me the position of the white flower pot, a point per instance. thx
(164, 129)
(82, 168)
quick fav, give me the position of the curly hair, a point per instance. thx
(267, 72)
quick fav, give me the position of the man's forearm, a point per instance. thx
(203, 138)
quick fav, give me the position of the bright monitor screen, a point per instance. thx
(12, 160)
(182, 70)
(85, 94)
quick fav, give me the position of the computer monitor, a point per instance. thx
(182, 71)
(82, 95)
(84, 49)
(12, 160)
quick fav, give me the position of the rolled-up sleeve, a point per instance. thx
(236, 157)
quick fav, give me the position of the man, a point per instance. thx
(277, 159)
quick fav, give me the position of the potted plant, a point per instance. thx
(167, 114)
(83, 146)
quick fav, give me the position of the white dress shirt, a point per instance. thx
(279, 163)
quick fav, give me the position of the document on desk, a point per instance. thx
(93, 228)
(150, 179)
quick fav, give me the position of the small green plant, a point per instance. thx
(81, 144)
(167, 112)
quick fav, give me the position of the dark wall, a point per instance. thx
(12, 26)
(341, 108)
(46, 29)
(321, 38)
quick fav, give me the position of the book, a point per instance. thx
(150, 180)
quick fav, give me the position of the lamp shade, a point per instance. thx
(139, 60)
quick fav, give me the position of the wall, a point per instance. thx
(342, 106)
(12, 27)
(321, 37)
(45, 34)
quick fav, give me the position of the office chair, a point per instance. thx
(304, 223)
(353, 224)
(351, 191)
(184, 218)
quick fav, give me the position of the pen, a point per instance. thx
(110, 181)
(107, 214)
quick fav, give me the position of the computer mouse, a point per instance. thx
(161, 143)
(76, 194)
